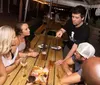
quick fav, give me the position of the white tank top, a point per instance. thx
(8, 62)
(21, 46)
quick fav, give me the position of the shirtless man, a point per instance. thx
(91, 71)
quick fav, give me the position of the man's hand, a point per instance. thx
(59, 34)
(59, 62)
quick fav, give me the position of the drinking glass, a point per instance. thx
(51, 61)
(43, 55)
(23, 64)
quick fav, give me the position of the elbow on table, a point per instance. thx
(5, 75)
(3, 78)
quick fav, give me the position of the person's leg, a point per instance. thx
(71, 79)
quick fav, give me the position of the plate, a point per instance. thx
(40, 74)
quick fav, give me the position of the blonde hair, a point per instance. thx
(7, 34)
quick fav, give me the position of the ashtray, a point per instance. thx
(41, 46)
(56, 47)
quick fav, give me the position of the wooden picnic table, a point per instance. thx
(16, 77)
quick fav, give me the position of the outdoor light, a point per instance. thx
(41, 1)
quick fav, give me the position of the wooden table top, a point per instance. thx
(16, 77)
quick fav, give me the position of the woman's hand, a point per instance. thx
(33, 54)
(31, 50)
(17, 62)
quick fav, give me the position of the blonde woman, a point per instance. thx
(11, 60)
(22, 32)
(7, 35)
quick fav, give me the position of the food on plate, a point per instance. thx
(40, 74)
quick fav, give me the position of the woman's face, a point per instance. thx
(25, 30)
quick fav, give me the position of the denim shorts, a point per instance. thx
(77, 65)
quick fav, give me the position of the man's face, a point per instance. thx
(77, 19)
(79, 57)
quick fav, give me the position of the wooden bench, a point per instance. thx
(40, 29)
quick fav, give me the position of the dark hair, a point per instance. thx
(79, 10)
(18, 31)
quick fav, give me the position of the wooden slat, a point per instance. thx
(41, 60)
(51, 66)
(58, 70)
